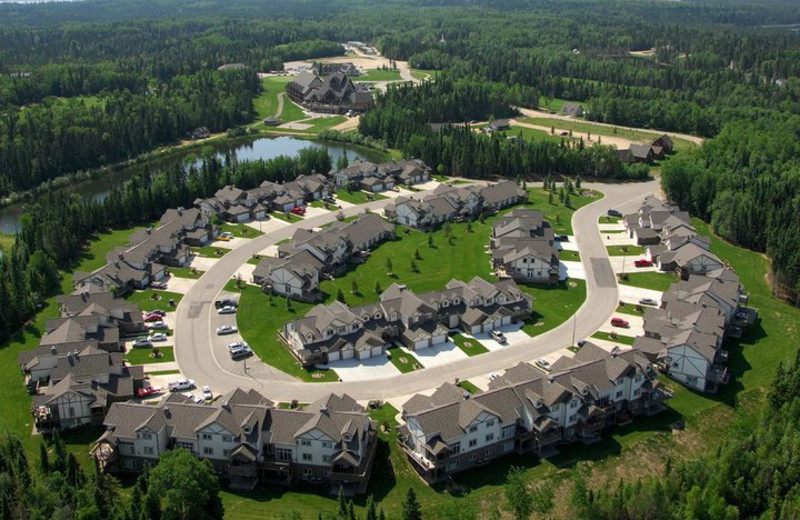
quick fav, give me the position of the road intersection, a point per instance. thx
(196, 318)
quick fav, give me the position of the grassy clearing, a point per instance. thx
(569, 256)
(149, 299)
(556, 104)
(622, 340)
(559, 216)
(534, 134)
(144, 356)
(625, 250)
(6, 241)
(380, 75)
(609, 220)
(288, 216)
(470, 347)
(403, 361)
(240, 230)
(423, 75)
(266, 104)
(317, 125)
(358, 197)
(553, 304)
(210, 251)
(186, 272)
(649, 280)
(468, 386)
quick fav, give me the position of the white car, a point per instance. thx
(196, 399)
(228, 309)
(207, 395)
(543, 364)
(498, 337)
(156, 325)
(181, 384)
(226, 329)
(237, 345)
(158, 336)
(142, 343)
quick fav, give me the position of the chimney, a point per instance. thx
(226, 405)
(323, 410)
(53, 350)
(167, 413)
(76, 354)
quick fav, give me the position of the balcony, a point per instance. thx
(718, 374)
(591, 427)
(549, 437)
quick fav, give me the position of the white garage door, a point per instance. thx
(423, 343)
(333, 356)
(347, 354)
(364, 354)
(439, 339)
(506, 320)
(377, 351)
(476, 328)
(453, 321)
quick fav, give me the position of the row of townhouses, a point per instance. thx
(78, 371)
(313, 255)
(246, 438)
(364, 175)
(647, 153)
(522, 247)
(150, 252)
(336, 331)
(672, 240)
(452, 203)
(685, 336)
(527, 410)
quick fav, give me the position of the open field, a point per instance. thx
(422, 75)
(379, 75)
(266, 104)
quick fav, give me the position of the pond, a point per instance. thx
(239, 150)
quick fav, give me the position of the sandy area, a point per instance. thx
(617, 142)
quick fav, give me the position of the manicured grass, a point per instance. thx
(622, 340)
(633, 310)
(210, 251)
(553, 304)
(288, 216)
(266, 104)
(240, 230)
(534, 134)
(164, 372)
(569, 256)
(146, 300)
(649, 280)
(609, 220)
(468, 386)
(469, 346)
(185, 272)
(559, 216)
(422, 74)
(404, 361)
(556, 104)
(358, 197)
(259, 322)
(144, 356)
(379, 75)
(254, 260)
(625, 250)
(582, 126)
(322, 205)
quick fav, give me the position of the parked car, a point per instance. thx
(498, 336)
(543, 364)
(614, 213)
(157, 312)
(181, 384)
(226, 329)
(643, 263)
(157, 325)
(226, 302)
(648, 301)
(619, 322)
(153, 317)
(241, 353)
(142, 343)
(237, 345)
(581, 342)
(228, 309)
(196, 399)
(225, 236)
(561, 238)
(158, 285)
(329, 199)
(147, 391)
(298, 210)
(207, 395)
(158, 336)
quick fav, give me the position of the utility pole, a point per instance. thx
(574, 326)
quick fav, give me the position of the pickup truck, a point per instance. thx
(181, 384)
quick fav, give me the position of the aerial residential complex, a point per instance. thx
(331, 94)
(527, 410)
(380, 177)
(418, 321)
(246, 438)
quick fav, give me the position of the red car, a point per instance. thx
(297, 210)
(147, 391)
(619, 322)
(643, 263)
(152, 317)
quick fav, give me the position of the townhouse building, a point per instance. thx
(334, 93)
(528, 411)
(522, 247)
(246, 438)
(418, 321)
(375, 178)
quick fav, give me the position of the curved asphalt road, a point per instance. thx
(196, 318)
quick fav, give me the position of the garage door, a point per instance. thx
(439, 339)
(476, 328)
(423, 343)
(333, 356)
(364, 354)
(347, 354)
(506, 320)
(377, 351)
(453, 321)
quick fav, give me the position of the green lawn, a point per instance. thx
(379, 75)
(554, 304)
(185, 272)
(288, 216)
(556, 104)
(625, 250)
(422, 75)
(6, 241)
(266, 104)
(150, 299)
(605, 219)
(143, 356)
(569, 256)
(622, 340)
(470, 347)
(210, 251)
(650, 280)
(240, 230)
(323, 205)
(259, 322)
(404, 361)
(468, 386)
(534, 134)
(164, 372)
(358, 197)
(582, 126)
(559, 216)
(632, 309)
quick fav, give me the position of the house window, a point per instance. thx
(148, 450)
(573, 404)
(637, 379)
(473, 429)
(305, 442)
(307, 457)
(508, 446)
(487, 452)
(145, 436)
(556, 407)
(490, 423)
(619, 394)
(326, 444)
(571, 418)
(227, 438)
(206, 436)
(473, 443)
(489, 437)
(636, 392)
(455, 449)
(208, 450)
(326, 458)
(71, 411)
(471, 456)
(226, 453)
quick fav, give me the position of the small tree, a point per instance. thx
(288, 304)
(566, 200)
(378, 288)
(552, 130)
(187, 486)
(417, 256)
(550, 197)
(389, 266)
(353, 286)
(411, 508)
(414, 268)
(430, 240)
(340, 296)
(469, 227)
(519, 501)
(448, 229)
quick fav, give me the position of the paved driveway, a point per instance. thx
(267, 226)
(636, 325)
(617, 239)
(314, 212)
(439, 355)
(245, 271)
(513, 333)
(203, 263)
(570, 245)
(616, 226)
(629, 264)
(363, 370)
(569, 269)
(630, 294)
(233, 243)
(180, 285)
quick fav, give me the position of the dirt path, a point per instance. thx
(346, 126)
(617, 142)
(535, 113)
(279, 110)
